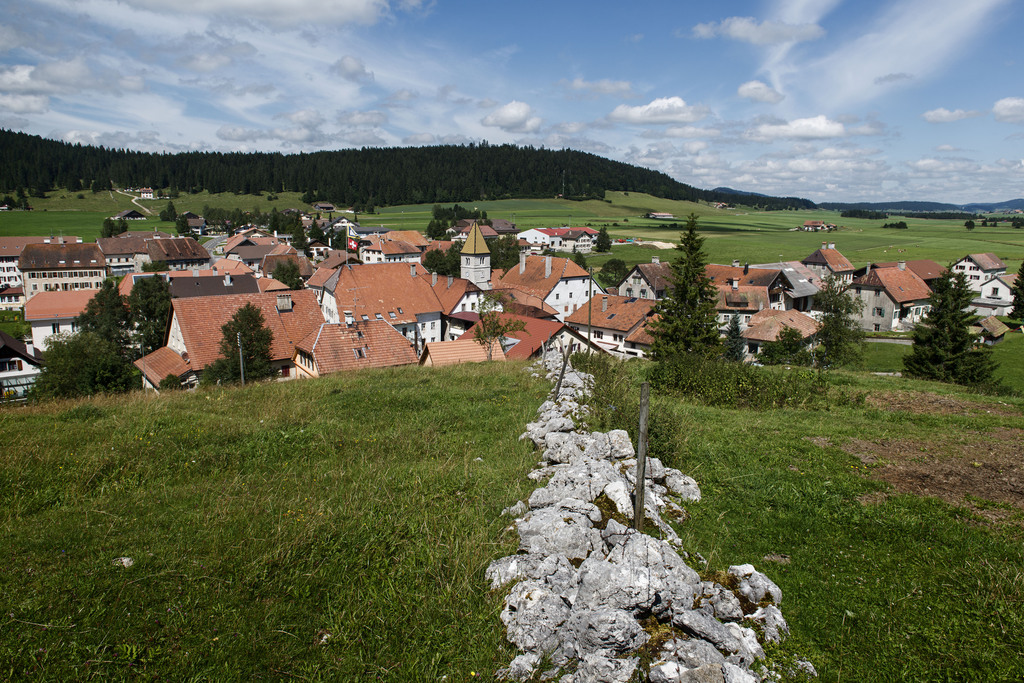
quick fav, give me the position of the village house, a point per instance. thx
(55, 312)
(128, 215)
(194, 333)
(128, 252)
(979, 269)
(455, 294)
(475, 259)
(179, 253)
(892, 298)
(352, 345)
(212, 285)
(286, 254)
(560, 239)
(608, 320)
(995, 296)
(146, 193)
(61, 267)
(220, 269)
(538, 334)
(800, 286)
(10, 252)
(11, 298)
(20, 365)
(381, 250)
(647, 280)
(926, 269)
(392, 292)
(556, 282)
(990, 331)
(767, 326)
(828, 261)
(463, 350)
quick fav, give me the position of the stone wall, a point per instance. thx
(586, 594)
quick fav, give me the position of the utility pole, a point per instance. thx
(590, 309)
(241, 359)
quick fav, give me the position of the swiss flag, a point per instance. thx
(353, 245)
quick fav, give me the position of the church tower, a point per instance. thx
(476, 259)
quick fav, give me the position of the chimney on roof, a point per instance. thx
(735, 263)
(746, 268)
(735, 282)
(30, 349)
(451, 281)
(275, 234)
(433, 279)
(522, 262)
(831, 245)
(227, 280)
(824, 245)
(412, 269)
(655, 259)
(902, 265)
(284, 302)
(350, 319)
(195, 272)
(547, 267)
(868, 269)
(604, 304)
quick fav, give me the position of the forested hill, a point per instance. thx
(369, 176)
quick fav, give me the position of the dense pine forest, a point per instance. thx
(366, 177)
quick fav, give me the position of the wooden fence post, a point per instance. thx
(641, 459)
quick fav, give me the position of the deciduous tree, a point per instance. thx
(149, 306)
(840, 338)
(493, 327)
(106, 315)
(247, 324)
(82, 364)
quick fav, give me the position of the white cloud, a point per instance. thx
(661, 110)
(10, 39)
(1009, 110)
(294, 12)
(747, 30)
(362, 118)
(239, 134)
(760, 92)
(943, 115)
(601, 87)
(24, 104)
(419, 139)
(815, 128)
(307, 118)
(893, 78)
(514, 117)
(351, 69)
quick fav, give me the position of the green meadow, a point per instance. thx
(736, 233)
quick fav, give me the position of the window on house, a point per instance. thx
(55, 328)
(878, 312)
(358, 353)
(286, 371)
(598, 334)
(878, 328)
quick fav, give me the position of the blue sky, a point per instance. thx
(832, 100)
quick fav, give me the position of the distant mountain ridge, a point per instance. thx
(363, 178)
(895, 207)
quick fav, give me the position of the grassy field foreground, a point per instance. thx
(335, 529)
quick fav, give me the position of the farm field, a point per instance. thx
(740, 233)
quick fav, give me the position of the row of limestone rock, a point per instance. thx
(586, 593)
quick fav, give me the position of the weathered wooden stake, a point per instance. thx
(565, 362)
(641, 459)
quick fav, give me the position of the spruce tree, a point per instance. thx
(735, 344)
(945, 349)
(1018, 297)
(687, 321)
(604, 242)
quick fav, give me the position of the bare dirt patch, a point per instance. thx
(968, 469)
(923, 403)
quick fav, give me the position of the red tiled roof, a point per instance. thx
(465, 349)
(46, 305)
(365, 344)
(757, 277)
(449, 295)
(200, 320)
(621, 313)
(831, 258)
(269, 284)
(11, 245)
(320, 277)
(901, 285)
(742, 298)
(535, 333)
(988, 261)
(925, 269)
(768, 324)
(161, 363)
(439, 245)
(272, 261)
(383, 288)
(532, 279)
(413, 237)
(337, 257)
(642, 335)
